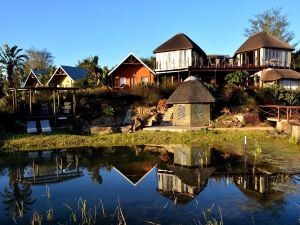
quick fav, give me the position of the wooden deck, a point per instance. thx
(277, 113)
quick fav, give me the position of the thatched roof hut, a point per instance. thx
(192, 90)
(179, 42)
(271, 74)
(191, 103)
(263, 40)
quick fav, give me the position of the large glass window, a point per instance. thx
(122, 81)
(144, 80)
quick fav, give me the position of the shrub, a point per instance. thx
(238, 78)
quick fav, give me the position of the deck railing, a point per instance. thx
(280, 112)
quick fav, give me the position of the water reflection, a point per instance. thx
(185, 173)
(180, 173)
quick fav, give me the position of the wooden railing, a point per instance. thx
(280, 112)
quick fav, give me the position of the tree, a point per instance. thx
(94, 74)
(38, 59)
(13, 61)
(296, 59)
(238, 78)
(150, 61)
(273, 22)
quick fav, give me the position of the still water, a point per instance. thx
(174, 184)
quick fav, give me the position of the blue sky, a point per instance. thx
(75, 29)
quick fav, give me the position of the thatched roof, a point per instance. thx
(263, 40)
(191, 91)
(271, 74)
(179, 42)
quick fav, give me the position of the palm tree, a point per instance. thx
(91, 64)
(13, 63)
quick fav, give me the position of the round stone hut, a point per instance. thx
(191, 103)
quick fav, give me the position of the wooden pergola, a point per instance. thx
(54, 91)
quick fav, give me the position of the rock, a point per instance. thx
(80, 126)
(105, 130)
(127, 129)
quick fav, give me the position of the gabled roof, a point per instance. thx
(191, 91)
(271, 74)
(131, 54)
(131, 174)
(263, 40)
(37, 74)
(179, 42)
(75, 73)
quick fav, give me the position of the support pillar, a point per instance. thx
(74, 104)
(30, 102)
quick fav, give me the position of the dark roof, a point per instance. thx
(76, 73)
(179, 42)
(263, 40)
(39, 73)
(271, 74)
(191, 91)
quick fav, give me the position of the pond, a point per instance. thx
(174, 184)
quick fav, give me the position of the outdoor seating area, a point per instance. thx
(44, 126)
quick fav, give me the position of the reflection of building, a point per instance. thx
(135, 172)
(261, 183)
(185, 183)
(187, 177)
(264, 188)
(50, 170)
(186, 155)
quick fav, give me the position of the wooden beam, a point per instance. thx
(74, 104)
(30, 103)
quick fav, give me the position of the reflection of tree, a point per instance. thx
(17, 197)
(96, 176)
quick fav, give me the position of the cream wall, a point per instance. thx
(180, 59)
(66, 82)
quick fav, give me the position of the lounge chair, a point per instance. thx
(31, 127)
(45, 125)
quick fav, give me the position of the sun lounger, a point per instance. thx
(45, 125)
(31, 127)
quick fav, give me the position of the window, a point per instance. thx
(181, 112)
(144, 80)
(122, 81)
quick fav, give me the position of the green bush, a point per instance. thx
(274, 94)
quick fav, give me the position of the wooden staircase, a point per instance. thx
(167, 118)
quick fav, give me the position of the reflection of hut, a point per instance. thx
(181, 182)
(261, 187)
(191, 103)
(186, 155)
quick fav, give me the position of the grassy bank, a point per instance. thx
(56, 140)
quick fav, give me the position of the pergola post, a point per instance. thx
(54, 103)
(16, 102)
(278, 113)
(58, 99)
(74, 103)
(30, 102)
(287, 115)
(13, 99)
